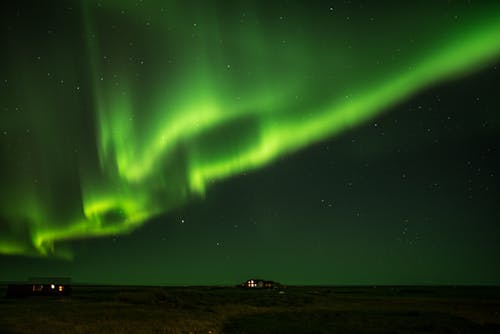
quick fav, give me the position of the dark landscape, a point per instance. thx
(292, 309)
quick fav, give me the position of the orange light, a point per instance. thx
(61, 288)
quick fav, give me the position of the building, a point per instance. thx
(259, 284)
(47, 286)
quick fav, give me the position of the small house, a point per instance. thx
(259, 284)
(50, 286)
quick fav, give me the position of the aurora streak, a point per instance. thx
(146, 110)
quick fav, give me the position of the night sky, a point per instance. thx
(207, 142)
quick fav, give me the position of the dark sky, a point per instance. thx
(343, 142)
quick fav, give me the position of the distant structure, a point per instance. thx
(40, 286)
(256, 283)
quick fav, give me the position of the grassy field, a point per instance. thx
(106, 309)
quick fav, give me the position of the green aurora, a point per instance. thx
(147, 104)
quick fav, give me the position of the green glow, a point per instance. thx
(281, 135)
(210, 101)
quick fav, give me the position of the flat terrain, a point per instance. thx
(107, 309)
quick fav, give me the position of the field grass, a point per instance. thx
(107, 309)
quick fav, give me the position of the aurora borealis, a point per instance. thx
(116, 114)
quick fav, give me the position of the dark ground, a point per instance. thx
(108, 309)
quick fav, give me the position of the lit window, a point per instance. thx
(61, 288)
(52, 286)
